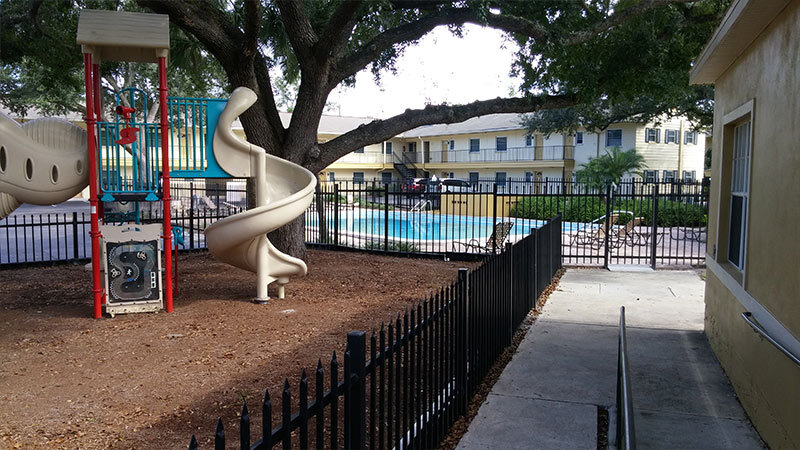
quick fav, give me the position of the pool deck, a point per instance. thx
(564, 371)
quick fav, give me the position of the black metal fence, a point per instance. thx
(658, 224)
(423, 367)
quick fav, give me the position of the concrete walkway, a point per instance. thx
(564, 371)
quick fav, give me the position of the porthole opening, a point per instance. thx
(79, 167)
(29, 169)
(54, 174)
(3, 159)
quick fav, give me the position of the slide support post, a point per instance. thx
(165, 199)
(94, 231)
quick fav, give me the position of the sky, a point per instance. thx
(441, 68)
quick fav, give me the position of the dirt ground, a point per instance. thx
(151, 380)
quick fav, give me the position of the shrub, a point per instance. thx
(588, 208)
(393, 246)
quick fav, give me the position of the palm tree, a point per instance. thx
(610, 167)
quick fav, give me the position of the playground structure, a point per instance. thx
(132, 158)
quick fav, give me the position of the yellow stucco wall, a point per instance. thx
(768, 73)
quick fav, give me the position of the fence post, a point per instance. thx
(653, 231)
(510, 292)
(533, 270)
(494, 215)
(191, 215)
(386, 217)
(336, 214)
(462, 357)
(356, 421)
(74, 235)
(607, 226)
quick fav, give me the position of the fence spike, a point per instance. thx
(193, 443)
(219, 436)
(266, 419)
(286, 415)
(244, 428)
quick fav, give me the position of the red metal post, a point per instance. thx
(94, 232)
(165, 198)
(97, 112)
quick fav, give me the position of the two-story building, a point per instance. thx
(498, 147)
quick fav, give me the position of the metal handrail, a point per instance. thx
(748, 317)
(626, 436)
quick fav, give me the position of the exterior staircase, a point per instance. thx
(405, 167)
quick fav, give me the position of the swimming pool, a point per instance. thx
(423, 225)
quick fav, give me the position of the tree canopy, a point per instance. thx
(577, 56)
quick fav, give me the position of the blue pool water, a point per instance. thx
(425, 225)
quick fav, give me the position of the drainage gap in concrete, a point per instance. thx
(602, 428)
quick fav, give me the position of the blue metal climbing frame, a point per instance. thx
(131, 170)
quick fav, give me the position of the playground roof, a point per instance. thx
(123, 36)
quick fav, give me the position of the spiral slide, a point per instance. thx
(42, 162)
(284, 191)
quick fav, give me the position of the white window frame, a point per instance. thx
(653, 179)
(362, 178)
(670, 176)
(388, 149)
(579, 137)
(620, 137)
(452, 144)
(504, 178)
(528, 140)
(690, 137)
(383, 177)
(476, 141)
(477, 178)
(528, 177)
(692, 174)
(412, 146)
(497, 143)
(740, 185)
(332, 176)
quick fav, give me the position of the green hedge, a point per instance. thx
(585, 209)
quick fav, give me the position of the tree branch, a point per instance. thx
(251, 25)
(208, 25)
(381, 130)
(298, 28)
(338, 30)
(617, 18)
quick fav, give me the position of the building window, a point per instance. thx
(474, 145)
(650, 176)
(528, 140)
(614, 138)
(412, 146)
(359, 150)
(671, 136)
(501, 144)
(652, 135)
(528, 177)
(740, 193)
(690, 137)
(358, 177)
(388, 148)
(688, 176)
(474, 177)
(579, 137)
(386, 177)
(452, 175)
(331, 176)
(500, 178)
(670, 176)
(452, 144)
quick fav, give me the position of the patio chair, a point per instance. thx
(594, 233)
(496, 240)
(628, 233)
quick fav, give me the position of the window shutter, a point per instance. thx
(658, 135)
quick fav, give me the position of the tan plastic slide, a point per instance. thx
(283, 192)
(42, 162)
